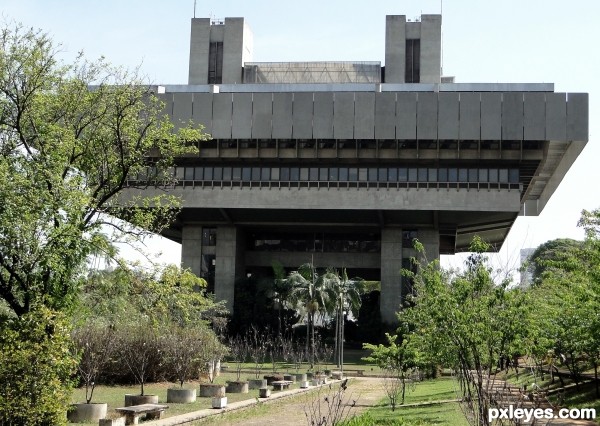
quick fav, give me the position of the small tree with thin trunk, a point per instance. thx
(238, 350)
(257, 344)
(94, 342)
(138, 348)
(183, 350)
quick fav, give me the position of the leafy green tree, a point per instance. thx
(36, 367)
(466, 321)
(554, 256)
(312, 293)
(72, 137)
(346, 295)
(396, 360)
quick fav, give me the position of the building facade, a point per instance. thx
(345, 163)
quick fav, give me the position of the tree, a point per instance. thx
(94, 343)
(312, 293)
(555, 255)
(346, 292)
(396, 359)
(36, 366)
(183, 350)
(72, 138)
(467, 321)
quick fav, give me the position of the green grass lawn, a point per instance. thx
(435, 414)
(115, 395)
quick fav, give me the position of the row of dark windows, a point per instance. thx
(348, 174)
(318, 242)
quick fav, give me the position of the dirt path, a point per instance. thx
(365, 391)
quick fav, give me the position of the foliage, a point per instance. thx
(238, 350)
(163, 296)
(258, 343)
(72, 136)
(554, 256)
(36, 366)
(466, 321)
(94, 341)
(138, 348)
(395, 359)
(186, 350)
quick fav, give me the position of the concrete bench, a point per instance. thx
(134, 412)
(357, 372)
(281, 384)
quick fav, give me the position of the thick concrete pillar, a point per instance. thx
(191, 248)
(229, 263)
(395, 48)
(199, 49)
(431, 48)
(237, 49)
(391, 279)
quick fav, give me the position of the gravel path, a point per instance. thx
(365, 391)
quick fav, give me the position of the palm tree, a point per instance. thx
(312, 293)
(346, 294)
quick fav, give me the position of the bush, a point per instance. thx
(36, 366)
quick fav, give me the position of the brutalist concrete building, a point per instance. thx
(344, 163)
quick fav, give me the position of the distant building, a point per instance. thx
(345, 163)
(526, 268)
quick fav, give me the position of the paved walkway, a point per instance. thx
(365, 391)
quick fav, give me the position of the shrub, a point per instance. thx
(36, 366)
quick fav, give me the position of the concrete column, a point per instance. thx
(391, 265)
(199, 48)
(430, 238)
(237, 46)
(431, 48)
(229, 264)
(191, 248)
(395, 48)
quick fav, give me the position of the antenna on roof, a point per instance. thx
(194, 8)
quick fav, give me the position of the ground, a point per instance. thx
(365, 391)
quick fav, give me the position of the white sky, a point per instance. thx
(508, 41)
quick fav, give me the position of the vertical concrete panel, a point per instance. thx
(222, 109)
(191, 248)
(491, 116)
(182, 109)
(577, 116)
(391, 280)
(262, 113)
(470, 116)
(241, 123)
(282, 115)
(448, 115)
(323, 115)
(406, 115)
(512, 116)
(534, 115)
(385, 115)
(427, 116)
(199, 47)
(226, 264)
(167, 100)
(395, 48)
(302, 116)
(343, 115)
(233, 50)
(202, 114)
(430, 238)
(364, 115)
(431, 48)
(556, 116)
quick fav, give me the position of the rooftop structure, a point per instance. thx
(346, 163)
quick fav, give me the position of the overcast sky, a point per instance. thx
(508, 41)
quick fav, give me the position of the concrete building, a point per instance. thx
(346, 162)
